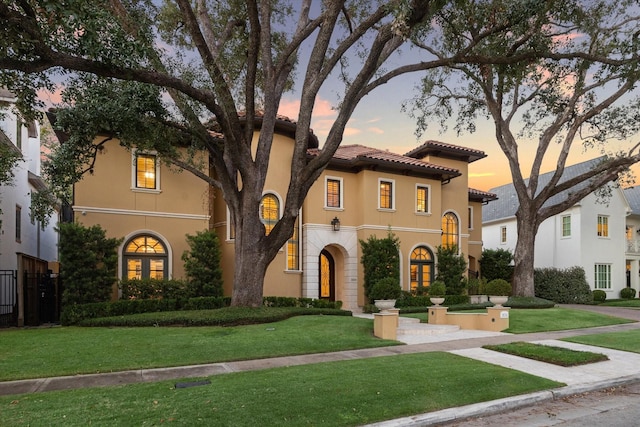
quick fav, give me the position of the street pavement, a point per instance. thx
(622, 368)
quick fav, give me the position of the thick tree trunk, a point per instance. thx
(524, 254)
(251, 262)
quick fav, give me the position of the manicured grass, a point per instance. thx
(347, 393)
(625, 341)
(522, 321)
(631, 303)
(32, 353)
(549, 354)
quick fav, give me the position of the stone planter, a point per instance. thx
(385, 304)
(498, 300)
(436, 300)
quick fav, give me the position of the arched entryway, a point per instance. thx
(421, 268)
(145, 257)
(327, 276)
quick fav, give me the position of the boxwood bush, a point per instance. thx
(627, 293)
(568, 286)
(599, 295)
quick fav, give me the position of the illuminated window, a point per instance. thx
(269, 211)
(422, 199)
(603, 226)
(385, 194)
(145, 257)
(333, 193)
(421, 266)
(566, 226)
(602, 276)
(449, 229)
(293, 250)
(146, 171)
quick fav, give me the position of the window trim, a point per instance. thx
(392, 200)
(470, 219)
(280, 205)
(134, 170)
(341, 193)
(597, 284)
(145, 257)
(503, 234)
(604, 232)
(298, 255)
(431, 263)
(427, 201)
(562, 226)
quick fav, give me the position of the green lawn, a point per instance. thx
(548, 354)
(522, 321)
(32, 353)
(625, 341)
(631, 303)
(345, 393)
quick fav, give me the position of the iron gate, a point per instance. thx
(41, 299)
(8, 298)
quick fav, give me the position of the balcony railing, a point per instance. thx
(633, 246)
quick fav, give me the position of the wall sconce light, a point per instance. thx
(638, 231)
(335, 223)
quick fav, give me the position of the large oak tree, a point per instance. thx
(580, 91)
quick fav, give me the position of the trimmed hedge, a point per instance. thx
(73, 314)
(627, 293)
(599, 295)
(228, 316)
(568, 286)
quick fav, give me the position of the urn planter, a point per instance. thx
(384, 304)
(436, 300)
(498, 300)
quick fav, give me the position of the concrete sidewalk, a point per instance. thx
(622, 368)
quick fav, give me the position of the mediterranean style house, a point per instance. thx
(591, 234)
(27, 248)
(422, 197)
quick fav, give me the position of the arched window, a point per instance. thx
(269, 211)
(421, 265)
(145, 257)
(450, 230)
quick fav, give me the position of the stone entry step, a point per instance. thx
(409, 326)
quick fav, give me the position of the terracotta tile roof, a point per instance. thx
(481, 196)
(359, 157)
(442, 149)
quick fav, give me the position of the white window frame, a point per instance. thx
(503, 234)
(562, 219)
(605, 221)
(341, 187)
(605, 283)
(428, 201)
(393, 194)
(134, 178)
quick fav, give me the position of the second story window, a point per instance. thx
(269, 211)
(422, 199)
(603, 226)
(450, 225)
(146, 171)
(18, 223)
(385, 194)
(566, 226)
(333, 194)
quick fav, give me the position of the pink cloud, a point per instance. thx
(375, 130)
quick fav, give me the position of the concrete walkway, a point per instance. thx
(621, 368)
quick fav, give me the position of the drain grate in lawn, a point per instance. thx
(548, 354)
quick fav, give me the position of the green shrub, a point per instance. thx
(154, 288)
(451, 267)
(409, 300)
(437, 289)
(529, 302)
(599, 295)
(387, 288)
(380, 259)
(472, 284)
(202, 264)
(496, 264)
(88, 262)
(627, 293)
(498, 287)
(568, 286)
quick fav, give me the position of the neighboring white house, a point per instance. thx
(633, 238)
(591, 234)
(25, 246)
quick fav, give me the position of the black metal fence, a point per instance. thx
(8, 298)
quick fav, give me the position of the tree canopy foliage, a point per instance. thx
(175, 74)
(568, 81)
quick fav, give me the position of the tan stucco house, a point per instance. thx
(422, 197)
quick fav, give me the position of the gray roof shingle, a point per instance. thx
(633, 197)
(507, 203)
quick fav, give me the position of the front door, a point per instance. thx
(326, 280)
